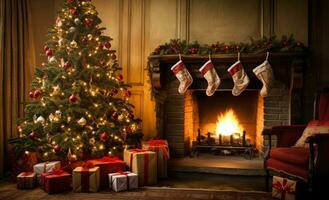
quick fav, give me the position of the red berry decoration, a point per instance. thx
(89, 22)
(73, 98)
(127, 94)
(115, 115)
(238, 47)
(84, 40)
(104, 137)
(46, 48)
(57, 148)
(67, 65)
(119, 77)
(32, 135)
(31, 94)
(113, 56)
(49, 53)
(37, 94)
(108, 45)
(226, 47)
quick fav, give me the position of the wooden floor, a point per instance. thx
(8, 191)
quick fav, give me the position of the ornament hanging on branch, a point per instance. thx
(82, 121)
(73, 98)
(104, 137)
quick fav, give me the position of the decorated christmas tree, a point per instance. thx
(79, 103)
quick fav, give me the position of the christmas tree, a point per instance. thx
(79, 102)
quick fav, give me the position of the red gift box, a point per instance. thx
(283, 188)
(56, 181)
(108, 165)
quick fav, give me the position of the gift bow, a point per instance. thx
(156, 142)
(121, 173)
(283, 188)
(87, 165)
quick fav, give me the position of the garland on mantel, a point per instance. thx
(271, 44)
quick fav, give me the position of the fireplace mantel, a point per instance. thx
(281, 107)
(287, 67)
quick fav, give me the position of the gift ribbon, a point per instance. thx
(85, 176)
(121, 173)
(25, 178)
(45, 167)
(283, 188)
(54, 171)
(157, 146)
(146, 160)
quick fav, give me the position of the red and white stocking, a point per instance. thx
(240, 78)
(265, 74)
(209, 73)
(182, 75)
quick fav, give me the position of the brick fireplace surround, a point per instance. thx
(175, 111)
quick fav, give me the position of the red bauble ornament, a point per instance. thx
(114, 91)
(115, 115)
(226, 47)
(57, 148)
(73, 11)
(89, 22)
(113, 56)
(127, 94)
(100, 46)
(108, 45)
(119, 77)
(67, 65)
(31, 94)
(32, 135)
(238, 47)
(46, 48)
(36, 93)
(73, 98)
(104, 137)
(49, 53)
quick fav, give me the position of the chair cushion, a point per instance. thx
(315, 126)
(287, 168)
(293, 155)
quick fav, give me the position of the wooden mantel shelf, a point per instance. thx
(287, 67)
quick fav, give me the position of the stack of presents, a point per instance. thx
(139, 167)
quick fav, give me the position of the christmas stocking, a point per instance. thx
(265, 74)
(240, 78)
(209, 73)
(182, 75)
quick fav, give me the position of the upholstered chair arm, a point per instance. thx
(319, 149)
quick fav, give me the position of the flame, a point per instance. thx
(228, 124)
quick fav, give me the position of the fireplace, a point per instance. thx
(179, 117)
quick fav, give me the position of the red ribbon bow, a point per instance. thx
(283, 188)
(156, 145)
(87, 165)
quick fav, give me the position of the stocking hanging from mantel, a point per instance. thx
(264, 73)
(182, 75)
(209, 73)
(239, 76)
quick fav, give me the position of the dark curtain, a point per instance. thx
(17, 61)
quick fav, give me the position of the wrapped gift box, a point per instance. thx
(56, 181)
(108, 165)
(86, 179)
(46, 167)
(144, 164)
(121, 181)
(283, 188)
(160, 147)
(26, 180)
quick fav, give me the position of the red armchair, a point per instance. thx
(307, 164)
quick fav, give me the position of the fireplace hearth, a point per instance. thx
(179, 117)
